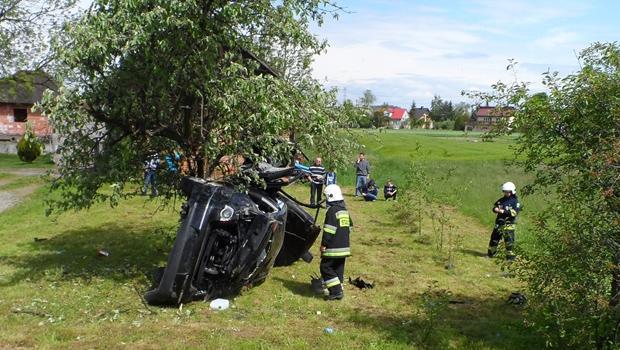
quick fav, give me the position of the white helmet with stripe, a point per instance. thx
(509, 187)
(333, 193)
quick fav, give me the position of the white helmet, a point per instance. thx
(509, 187)
(333, 193)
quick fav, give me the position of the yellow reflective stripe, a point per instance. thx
(343, 218)
(336, 252)
(329, 229)
(513, 212)
(332, 282)
(509, 227)
(342, 214)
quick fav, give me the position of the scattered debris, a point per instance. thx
(37, 239)
(318, 312)
(219, 304)
(517, 298)
(459, 302)
(103, 253)
(328, 330)
(361, 284)
(30, 312)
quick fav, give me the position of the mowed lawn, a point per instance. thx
(57, 292)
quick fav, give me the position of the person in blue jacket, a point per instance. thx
(330, 177)
(507, 208)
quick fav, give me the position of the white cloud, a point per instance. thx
(558, 37)
(415, 57)
(526, 12)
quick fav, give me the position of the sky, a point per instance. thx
(406, 51)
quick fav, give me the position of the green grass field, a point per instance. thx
(56, 292)
(11, 161)
(463, 171)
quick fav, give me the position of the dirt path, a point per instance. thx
(10, 198)
(24, 172)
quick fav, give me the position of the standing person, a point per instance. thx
(330, 177)
(316, 180)
(150, 169)
(362, 172)
(507, 208)
(335, 242)
(389, 190)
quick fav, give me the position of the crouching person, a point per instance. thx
(389, 190)
(335, 242)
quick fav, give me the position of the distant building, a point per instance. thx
(399, 117)
(18, 94)
(485, 117)
(421, 118)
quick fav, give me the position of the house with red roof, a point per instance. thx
(399, 117)
(486, 117)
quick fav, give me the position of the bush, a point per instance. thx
(29, 147)
(445, 125)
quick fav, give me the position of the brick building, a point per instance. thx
(484, 118)
(18, 94)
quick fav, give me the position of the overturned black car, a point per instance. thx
(228, 240)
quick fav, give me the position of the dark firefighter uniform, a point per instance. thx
(505, 225)
(335, 248)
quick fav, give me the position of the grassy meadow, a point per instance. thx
(57, 292)
(11, 161)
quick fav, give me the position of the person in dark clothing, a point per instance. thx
(335, 242)
(362, 172)
(370, 192)
(507, 208)
(389, 190)
(316, 180)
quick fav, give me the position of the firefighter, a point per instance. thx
(507, 208)
(335, 242)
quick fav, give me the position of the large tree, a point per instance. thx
(441, 110)
(367, 99)
(462, 114)
(26, 28)
(209, 77)
(571, 141)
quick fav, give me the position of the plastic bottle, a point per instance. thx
(219, 304)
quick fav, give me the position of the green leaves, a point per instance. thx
(25, 30)
(569, 140)
(193, 76)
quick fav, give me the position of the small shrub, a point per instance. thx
(29, 147)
